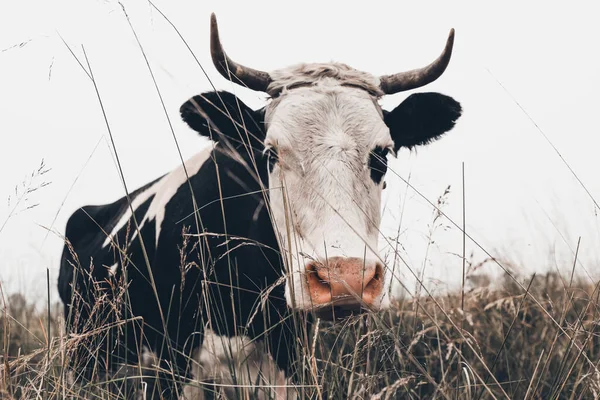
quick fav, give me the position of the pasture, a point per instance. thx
(541, 342)
(230, 225)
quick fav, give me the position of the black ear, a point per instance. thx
(421, 119)
(219, 115)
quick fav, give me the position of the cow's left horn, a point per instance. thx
(252, 78)
(415, 78)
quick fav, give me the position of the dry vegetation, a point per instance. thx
(508, 343)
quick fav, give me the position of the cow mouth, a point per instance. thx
(339, 309)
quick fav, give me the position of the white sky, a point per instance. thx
(522, 202)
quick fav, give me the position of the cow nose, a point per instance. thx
(345, 281)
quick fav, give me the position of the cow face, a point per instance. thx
(325, 145)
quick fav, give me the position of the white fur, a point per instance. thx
(323, 134)
(163, 191)
(236, 363)
(113, 269)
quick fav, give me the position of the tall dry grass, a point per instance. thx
(508, 347)
(500, 342)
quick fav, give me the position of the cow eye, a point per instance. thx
(270, 154)
(378, 163)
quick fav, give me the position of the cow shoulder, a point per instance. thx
(85, 232)
(98, 220)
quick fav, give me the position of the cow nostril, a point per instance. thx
(373, 286)
(377, 277)
(318, 273)
(317, 277)
(324, 275)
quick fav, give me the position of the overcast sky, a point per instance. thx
(515, 65)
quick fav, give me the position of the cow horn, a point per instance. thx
(254, 79)
(415, 78)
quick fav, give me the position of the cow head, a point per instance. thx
(325, 143)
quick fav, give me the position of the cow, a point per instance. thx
(272, 225)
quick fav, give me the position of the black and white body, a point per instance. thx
(279, 218)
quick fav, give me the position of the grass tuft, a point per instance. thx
(404, 352)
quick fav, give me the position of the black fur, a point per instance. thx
(421, 119)
(378, 163)
(235, 260)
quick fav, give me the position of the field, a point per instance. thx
(503, 342)
(523, 144)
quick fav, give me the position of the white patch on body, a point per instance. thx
(238, 368)
(113, 269)
(163, 191)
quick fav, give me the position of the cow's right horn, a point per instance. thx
(252, 78)
(402, 81)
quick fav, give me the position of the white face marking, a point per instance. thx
(163, 191)
(329, 205)
(220, 359)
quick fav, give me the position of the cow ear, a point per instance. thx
(219, 115)
(421, 119)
